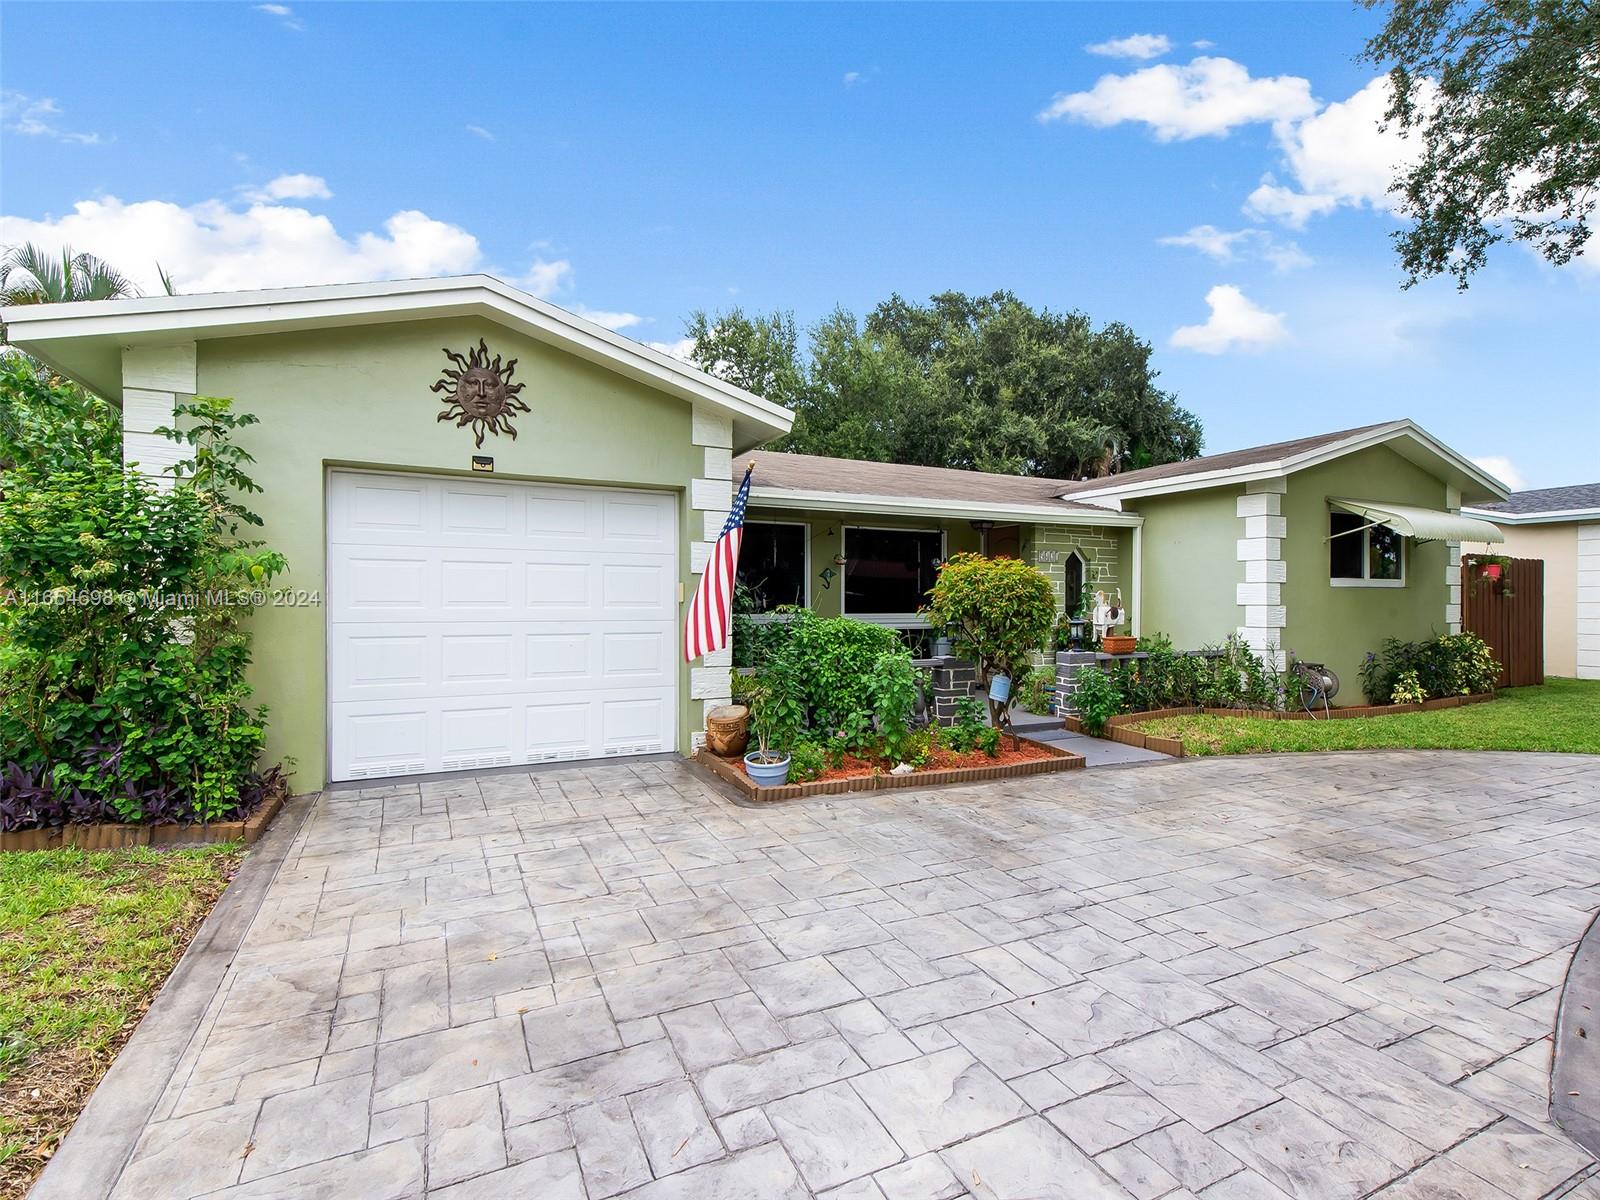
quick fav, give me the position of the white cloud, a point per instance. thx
(480, 131)
(36, 117)
(284, 13)
(1340, 156)
(1272, 201)
(851, 78)
(1203, 44)
(1504, 470)
(1136, 45)
(1207, 98)
(215, 246)
(1235, 323)
(546, 277)
(292, 187)
(681, 349)
(1225, 246)
(610, 320)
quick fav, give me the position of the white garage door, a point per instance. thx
(490, 624)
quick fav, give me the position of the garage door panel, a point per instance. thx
(634, 522)
(498, 623)
(635, 590)
(387, 583)
(381, 507)
(556, 518)
(380, 662)
(485, 588)
(476, 658)
(632, 725)
(477, 513)
(557, 590)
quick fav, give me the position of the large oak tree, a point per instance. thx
(981, 382)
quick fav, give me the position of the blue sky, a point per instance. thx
(638, 162)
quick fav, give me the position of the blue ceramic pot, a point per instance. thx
(766, 774)
(1000, 689)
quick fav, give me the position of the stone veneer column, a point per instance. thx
(1260, 550)
(153, 377)
(710, 496)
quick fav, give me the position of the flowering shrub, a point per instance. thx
(116, 702)
(1459, 664)
(1408, 689)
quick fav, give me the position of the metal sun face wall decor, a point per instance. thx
(479, 393)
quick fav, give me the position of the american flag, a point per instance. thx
(711, 611)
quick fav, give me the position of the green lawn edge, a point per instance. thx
(1562, 715)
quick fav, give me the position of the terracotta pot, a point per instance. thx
(1113, 644)
(728, 730)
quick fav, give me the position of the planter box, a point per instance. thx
(117, 837)
(728, 772)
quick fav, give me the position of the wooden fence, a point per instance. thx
(1508, 614)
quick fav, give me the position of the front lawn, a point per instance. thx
(86, 939)
(1564, 714)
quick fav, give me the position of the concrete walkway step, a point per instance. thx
(1098, 752)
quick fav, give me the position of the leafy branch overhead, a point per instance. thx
(979, 382)
(1503, 100)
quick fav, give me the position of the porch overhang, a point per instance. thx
(920, 506)
(1423, 524)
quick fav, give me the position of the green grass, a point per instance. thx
(86, 939)
(1564, 714)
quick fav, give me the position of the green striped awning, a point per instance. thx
(1424, 524)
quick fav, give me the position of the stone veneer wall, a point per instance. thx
(1100, 546)
(1068, 664)
(953, 678)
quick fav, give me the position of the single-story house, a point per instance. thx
(494, 512)
(1561, 526)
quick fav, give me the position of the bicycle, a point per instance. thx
(1318, 685)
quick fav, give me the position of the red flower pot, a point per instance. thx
(1491, 570)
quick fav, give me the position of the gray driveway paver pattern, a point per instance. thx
(1327, 977)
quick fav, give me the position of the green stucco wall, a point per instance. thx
(826, 538)
(1190, 566)
(1338, 625)
(359, 397)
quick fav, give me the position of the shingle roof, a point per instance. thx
(1250, 456)
(1542, 500)
(813, 473)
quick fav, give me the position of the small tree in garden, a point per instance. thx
(998, 612)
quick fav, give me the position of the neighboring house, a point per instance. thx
(454, 605)
(1562, 527)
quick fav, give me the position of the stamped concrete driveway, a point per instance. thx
(1312, 976)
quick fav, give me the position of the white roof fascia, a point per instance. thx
(1297, 462)
(922, 506)
(167, 319)
(1548, 517)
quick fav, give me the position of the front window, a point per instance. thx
(889, 572)
(772, 565)
(1361, 554)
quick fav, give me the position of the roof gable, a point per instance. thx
(85, 340)
(1405, 437)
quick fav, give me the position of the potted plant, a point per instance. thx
(765, 766)
(1491, 568)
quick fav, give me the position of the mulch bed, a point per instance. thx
(863, 775)
(116, 837)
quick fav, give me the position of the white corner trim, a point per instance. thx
(709, 494)
(708, 427)
(706, 683)
(719, 462)
(1138, 579)
(159, 368)
(145, 411)
(1452, 587)
(1259, 595)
